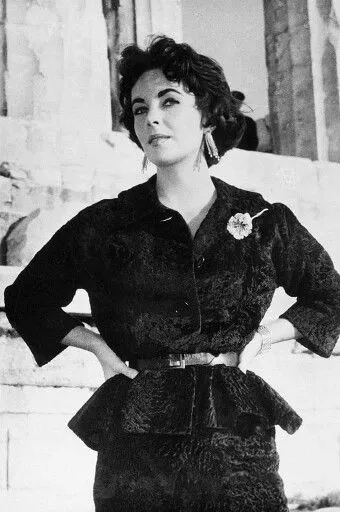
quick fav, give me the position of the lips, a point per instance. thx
(156, 137)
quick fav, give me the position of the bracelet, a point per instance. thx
(266, 339)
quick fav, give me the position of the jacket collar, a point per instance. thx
(142, 200)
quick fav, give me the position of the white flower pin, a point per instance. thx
(241, 224)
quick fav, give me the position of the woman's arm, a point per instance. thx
(34, 302)
(279, 330)
(305, 271)
(85, 339)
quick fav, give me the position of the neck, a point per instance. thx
(184, 187)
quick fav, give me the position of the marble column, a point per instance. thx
(291, 95)
(324, 18)
(303, 60)
(158, 17)
(129, 22)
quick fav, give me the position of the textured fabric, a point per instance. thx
(216, 472)
(153, 290)
(192, 438)
(183, 401)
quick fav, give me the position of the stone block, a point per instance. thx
(57, 62)
(278, 178)
(72, 368)
(4, 438)
(34, 400)
(53, 460)
(7, 218)
(5, 326)
(21, 201)
(7, 276)
(16, 11)
(329, 181)
(21, 70)
(91, 166)
(309, 460)
(42, 196)
(32, 232)
(43, 144)
(36, 501)
(13, 141)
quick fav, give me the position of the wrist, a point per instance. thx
(257, 340)
(96, 344)
(83, 338)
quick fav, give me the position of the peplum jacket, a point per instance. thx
(154, 290)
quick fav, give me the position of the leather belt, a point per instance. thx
(180, 361)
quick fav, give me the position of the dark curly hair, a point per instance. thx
(199, 74)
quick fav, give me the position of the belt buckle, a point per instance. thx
(177, 361)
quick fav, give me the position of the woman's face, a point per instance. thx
(167, 122)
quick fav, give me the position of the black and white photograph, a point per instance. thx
(169, 255)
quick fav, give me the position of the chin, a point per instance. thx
(163, 162)
(168, 162)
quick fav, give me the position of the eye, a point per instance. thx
(170, 101)
(139, 110)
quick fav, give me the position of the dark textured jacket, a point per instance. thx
(154, 290)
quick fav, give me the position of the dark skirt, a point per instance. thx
(200, 439)
(200, 473)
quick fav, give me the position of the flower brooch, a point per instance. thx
(241, 224)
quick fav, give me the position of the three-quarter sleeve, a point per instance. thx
(34, 301)
(305, 270)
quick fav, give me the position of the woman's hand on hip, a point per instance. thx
(84, 338)
(249, 352)
(111, 364)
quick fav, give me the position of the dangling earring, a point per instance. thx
(199, 157)
(145, 164)
(211, 146)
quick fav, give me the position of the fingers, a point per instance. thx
(245, 358)
(243, 362)
(109, 372)
(131, 373)
(127, 371)
(243, 367)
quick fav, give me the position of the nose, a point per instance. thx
(153, 116)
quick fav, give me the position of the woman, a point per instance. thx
(180, 271)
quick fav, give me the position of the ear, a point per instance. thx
(204, 122)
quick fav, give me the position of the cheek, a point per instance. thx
(139, 131)
(192, 129)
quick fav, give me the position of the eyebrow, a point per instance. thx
(160, 94)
